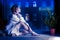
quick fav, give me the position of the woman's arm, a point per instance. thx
(23, 20)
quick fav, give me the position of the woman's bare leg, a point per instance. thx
(31, 31)
(28, 29)
(24, 25)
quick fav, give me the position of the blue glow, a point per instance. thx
(43, 4)
(34, 4)
(26, 4)
(52, 4)
(11, 4)
(19, 4)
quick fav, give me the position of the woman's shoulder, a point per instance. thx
(14, 16)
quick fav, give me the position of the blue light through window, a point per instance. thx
(26, 4)
(11, 4)
(34, 4)
(43, 4)
(19, 4)
(52, 3)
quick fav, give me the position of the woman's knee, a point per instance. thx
(24, 25)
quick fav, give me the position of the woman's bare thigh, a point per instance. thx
(24, 25)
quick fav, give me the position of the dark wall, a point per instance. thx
(1, 15)
(57, 11)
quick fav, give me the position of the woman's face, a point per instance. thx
(18, 10)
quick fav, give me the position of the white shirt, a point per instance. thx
(14, 20)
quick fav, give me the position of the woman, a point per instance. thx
(16, 22)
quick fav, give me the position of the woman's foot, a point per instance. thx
(35, 34)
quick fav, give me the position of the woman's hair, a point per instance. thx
(13, 9)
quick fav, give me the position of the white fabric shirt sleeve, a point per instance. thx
(15, 19)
